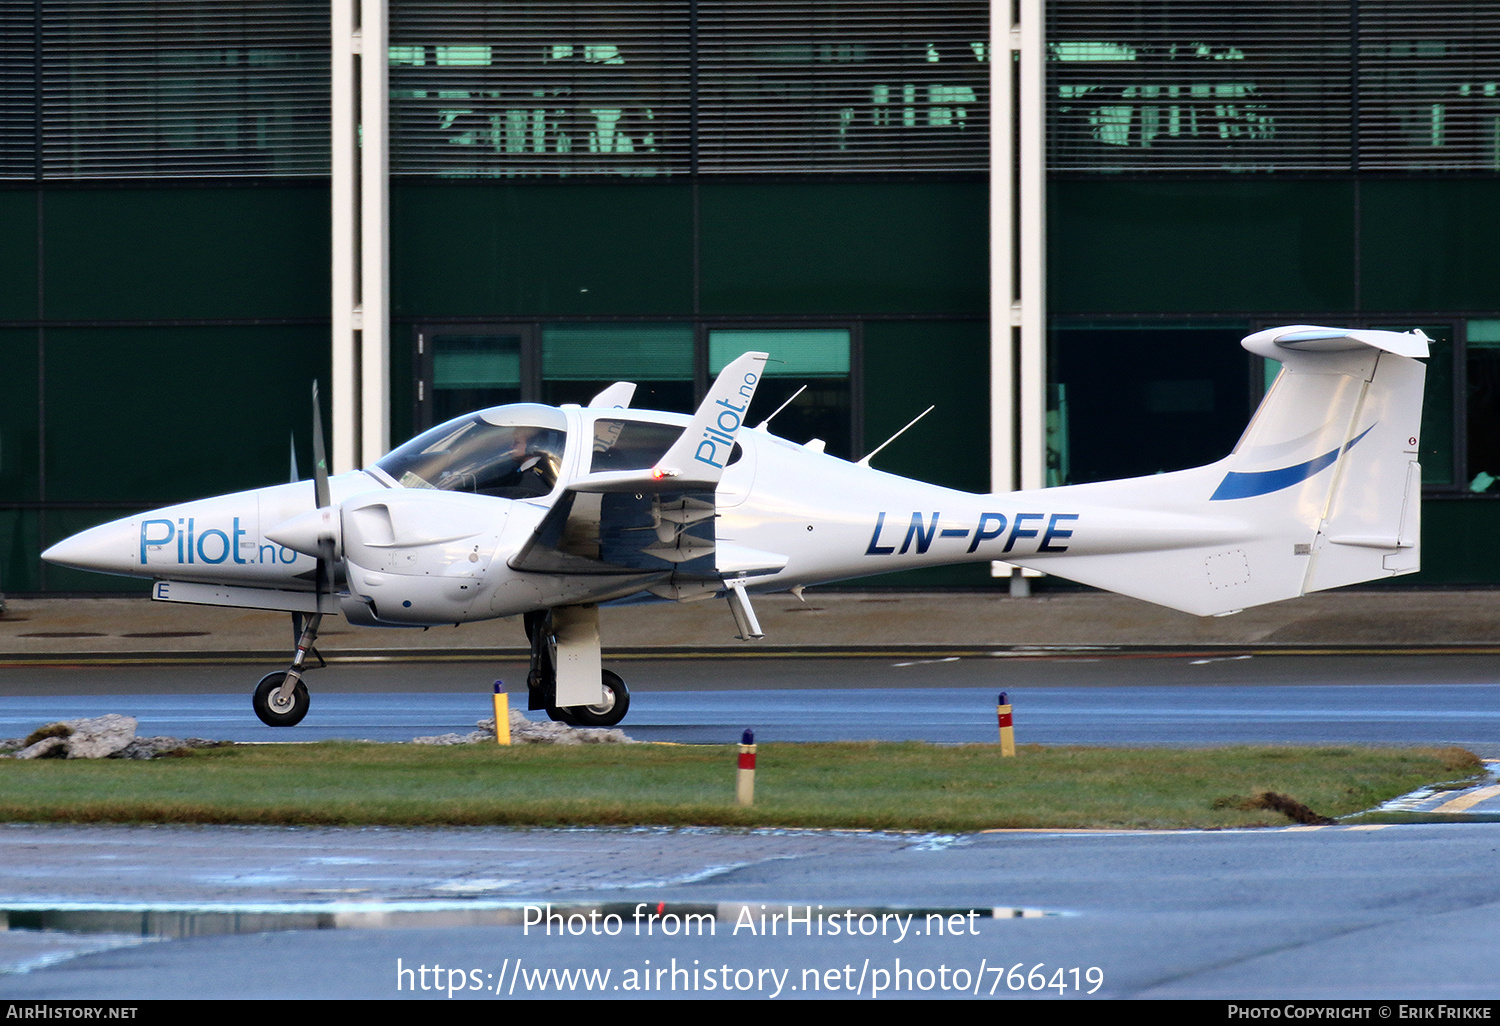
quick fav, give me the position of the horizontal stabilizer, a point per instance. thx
(1309, 338)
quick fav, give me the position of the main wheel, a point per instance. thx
(274, 713)
(611, 710)
(560, 715)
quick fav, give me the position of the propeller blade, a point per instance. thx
(320, 454)
(324, 581)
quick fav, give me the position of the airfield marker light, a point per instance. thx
(1007, 731)
(502, 714)
(744, 787)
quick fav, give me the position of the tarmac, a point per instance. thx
(829, 623)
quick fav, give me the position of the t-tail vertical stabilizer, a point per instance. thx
(1323, 490)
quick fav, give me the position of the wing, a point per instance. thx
(624, 531)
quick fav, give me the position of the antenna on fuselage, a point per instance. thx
(762, 425)
(866, 461)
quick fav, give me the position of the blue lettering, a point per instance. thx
(924, 539)
(145, 540)
(879, 550)
(267, 554)
(713, 450)
(288, 555)
(982, 534)
(1053, 531)
(1016, 532)
(223, 552)
(238, 534)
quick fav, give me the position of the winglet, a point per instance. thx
(699, 456)
(615, 397)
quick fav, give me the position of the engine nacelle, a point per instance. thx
(417, 557)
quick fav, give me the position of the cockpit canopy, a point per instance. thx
(513, 452)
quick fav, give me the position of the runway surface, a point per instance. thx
(1091, 700)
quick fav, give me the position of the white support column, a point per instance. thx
(344, 165)
(375, 348)
(1018, 263)
(360, 220)
(1033, 230)
(1004, 307)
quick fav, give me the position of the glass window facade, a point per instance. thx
(814, 362)
(1273, 85)
(586, 192)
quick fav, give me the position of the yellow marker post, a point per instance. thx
(502, 714)
(744, 784)
(1007, 732)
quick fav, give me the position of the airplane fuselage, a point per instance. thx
(823, 517)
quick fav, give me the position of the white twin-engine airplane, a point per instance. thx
(547, 512)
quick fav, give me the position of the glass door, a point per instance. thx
(465, 368)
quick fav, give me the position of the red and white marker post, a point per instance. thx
(744, 784)
(1007, 731)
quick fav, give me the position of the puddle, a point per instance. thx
(169, 922)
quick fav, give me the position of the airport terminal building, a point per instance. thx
(434, 206)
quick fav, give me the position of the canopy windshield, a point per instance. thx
(514, 452)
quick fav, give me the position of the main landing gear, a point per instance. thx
(571, 635)
(281, 698)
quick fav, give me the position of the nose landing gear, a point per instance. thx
(281, 699)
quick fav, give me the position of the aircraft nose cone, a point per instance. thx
(107, 549)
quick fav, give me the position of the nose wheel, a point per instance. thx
(281, 697)
(276, 710)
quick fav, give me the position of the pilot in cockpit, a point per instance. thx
(533, 465)
(473, 454)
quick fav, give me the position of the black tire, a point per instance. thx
(273, 716)
(561, 715)
(610, 711)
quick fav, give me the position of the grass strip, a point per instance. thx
(910, 786)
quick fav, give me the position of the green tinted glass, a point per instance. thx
(628, 352)
(1482, 412)
(805, 353)
(480, 361)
